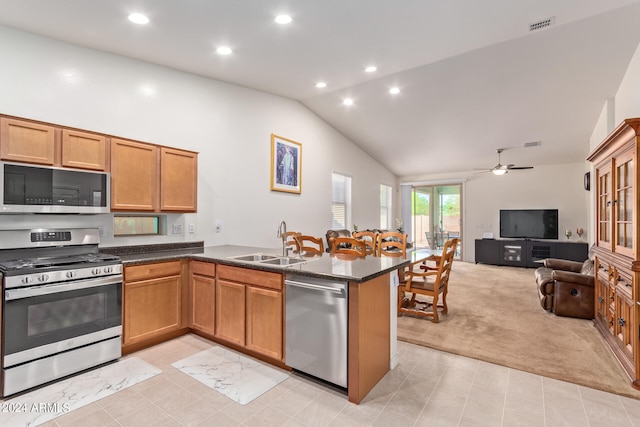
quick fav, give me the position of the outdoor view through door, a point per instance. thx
(436, 216)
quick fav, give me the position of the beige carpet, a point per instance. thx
(495, 316)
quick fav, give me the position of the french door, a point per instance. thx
(437, 215)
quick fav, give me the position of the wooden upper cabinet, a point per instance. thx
(84, 150)
(134, 176)
(24, 141)
(178, 180)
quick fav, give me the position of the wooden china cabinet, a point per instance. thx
(617, 263)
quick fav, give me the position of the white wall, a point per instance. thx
(228, 125)
(625, 104)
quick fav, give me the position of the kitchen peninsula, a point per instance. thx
(218, 293)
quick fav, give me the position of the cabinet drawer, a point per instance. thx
(266, 279)
(203, 268)
(146, 271)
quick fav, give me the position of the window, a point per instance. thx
(341, 201)
(136, 225)
(385, 207)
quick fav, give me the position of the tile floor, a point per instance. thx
(428, 388)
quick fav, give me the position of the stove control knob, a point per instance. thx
(96, 271)
(71, 274)
(43, 277)
(108, 269)
(27, 279)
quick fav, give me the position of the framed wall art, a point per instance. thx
(286, 165)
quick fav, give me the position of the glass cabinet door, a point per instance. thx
(623, 206)
(604, 202)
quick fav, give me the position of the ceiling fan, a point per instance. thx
(501, 169)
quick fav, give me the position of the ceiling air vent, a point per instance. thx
(532, 144)
(544, 23)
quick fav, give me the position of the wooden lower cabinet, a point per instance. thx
(203, 296)
(264, 321)
(615, 311)
(230, 312)
(153, 302)
(623, 322)
(250, 310)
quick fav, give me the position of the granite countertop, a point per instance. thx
(325, 266)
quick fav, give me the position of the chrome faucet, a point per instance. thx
(282, 233)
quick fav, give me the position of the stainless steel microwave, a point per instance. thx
(26, 188)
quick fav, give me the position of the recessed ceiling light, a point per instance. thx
(321, 85)
(371, 69)
(283, 19)
(138, 18)
(347, 101)
(394, 91)
(224, 50)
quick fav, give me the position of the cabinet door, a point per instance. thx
(624, 323)
(134, 176)
(230, 312)
(178, 180)
(603, 205)
(264, 322)
(151, 308)
(601, 297)
(203, 296)
(84, 150)
(23, 141)
(623, 203)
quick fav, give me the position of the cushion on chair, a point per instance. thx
(424, 284)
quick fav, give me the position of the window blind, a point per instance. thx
(341, 201)
(385, 207)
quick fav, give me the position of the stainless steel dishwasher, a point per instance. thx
(316, 327)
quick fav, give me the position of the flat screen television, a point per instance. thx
(529, 223)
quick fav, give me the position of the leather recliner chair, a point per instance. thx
(566, 288)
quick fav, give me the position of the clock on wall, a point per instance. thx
(587, 181)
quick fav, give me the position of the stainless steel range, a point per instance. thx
(61, 305)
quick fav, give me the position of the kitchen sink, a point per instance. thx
(255, 257)
(270, 259)
(283, 261)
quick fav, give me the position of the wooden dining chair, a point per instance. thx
(429, 283)
(349, 246)
(309, 244)
(369, 238)
(392, 243)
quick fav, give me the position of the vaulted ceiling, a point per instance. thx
(471, 75)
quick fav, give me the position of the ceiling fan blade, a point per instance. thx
(520, 167)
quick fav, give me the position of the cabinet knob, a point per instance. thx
(601, 299)
(621, 321)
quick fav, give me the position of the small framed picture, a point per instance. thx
(286, 165)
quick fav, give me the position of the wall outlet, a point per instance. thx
(177, 228)
(218, 226)
(192, 228)
(101, 231)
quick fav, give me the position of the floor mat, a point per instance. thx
(46, 403)
(237, 377)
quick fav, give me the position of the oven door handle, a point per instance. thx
(34, 291)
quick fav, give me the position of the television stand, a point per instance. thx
(526, 252)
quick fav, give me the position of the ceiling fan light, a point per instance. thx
(499, 171)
